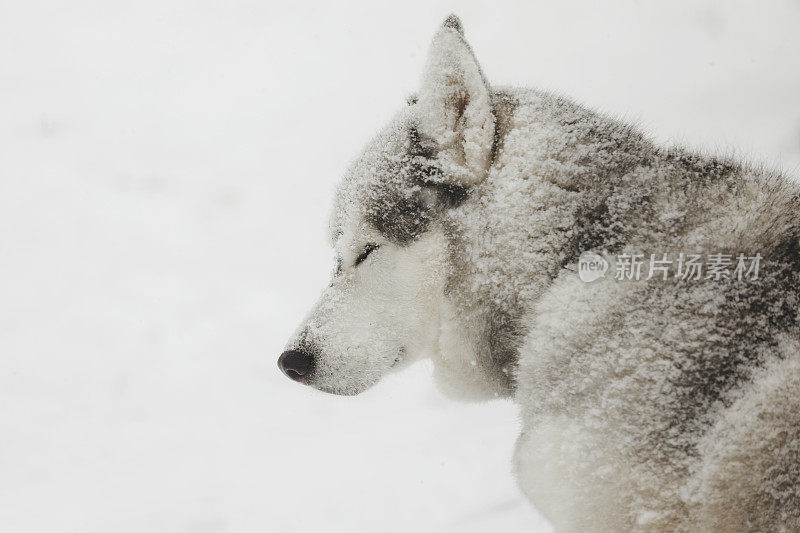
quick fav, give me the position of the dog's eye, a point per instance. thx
(368, 249)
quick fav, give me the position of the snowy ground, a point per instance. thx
(165, 174)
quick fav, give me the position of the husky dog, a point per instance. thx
(664, 403)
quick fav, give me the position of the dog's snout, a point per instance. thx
(296, 364)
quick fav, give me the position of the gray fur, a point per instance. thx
(639, 399)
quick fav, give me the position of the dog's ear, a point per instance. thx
(454, 106)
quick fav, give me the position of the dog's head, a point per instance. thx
(383, 302)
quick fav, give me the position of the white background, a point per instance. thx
(166, 169)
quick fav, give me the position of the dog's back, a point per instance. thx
(653, 403)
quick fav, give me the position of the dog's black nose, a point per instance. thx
(296, 364)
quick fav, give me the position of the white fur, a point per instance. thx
(378, 315)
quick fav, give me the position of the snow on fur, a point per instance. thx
(647, 405)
